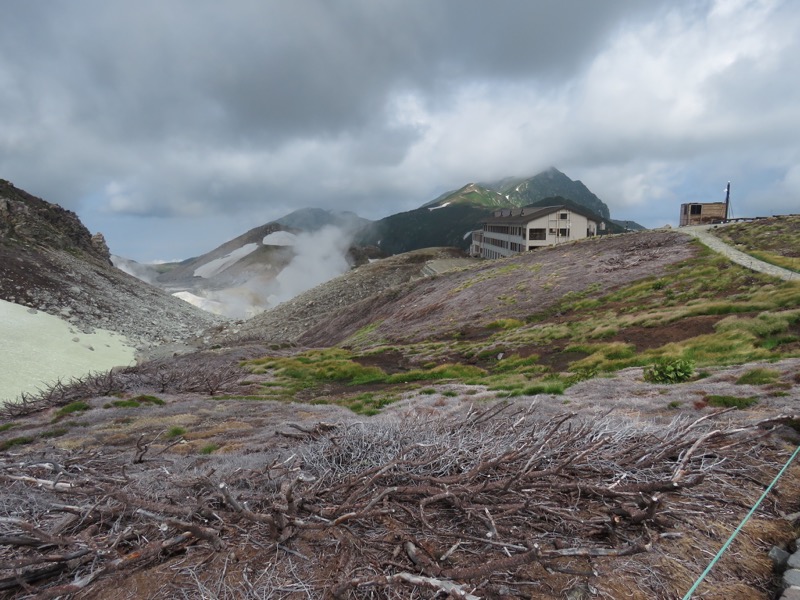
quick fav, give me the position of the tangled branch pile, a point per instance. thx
(204, 375)
(498, 504)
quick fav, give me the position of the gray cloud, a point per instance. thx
(196, 110)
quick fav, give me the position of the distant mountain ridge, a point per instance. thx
(517, 192)
(313, 219)
(549, 183)
(239, 277)
(449, 219)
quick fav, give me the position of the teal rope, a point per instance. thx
(739, 528)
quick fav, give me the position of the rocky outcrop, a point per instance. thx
(50, 262)
(31, 221)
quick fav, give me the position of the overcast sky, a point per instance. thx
(175, 125)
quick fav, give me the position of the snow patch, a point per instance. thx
(216, 266)
(440, 206)
(280, 238)
(211, 306)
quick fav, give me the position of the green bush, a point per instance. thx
(666, 370)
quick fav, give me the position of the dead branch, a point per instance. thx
(486, 499)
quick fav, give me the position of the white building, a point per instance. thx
(513, 230)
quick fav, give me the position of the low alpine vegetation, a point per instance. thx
(676, 370)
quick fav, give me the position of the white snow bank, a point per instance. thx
(38, 348)
(240, 302)
(211, 306)
(218, 265)
(280, 238)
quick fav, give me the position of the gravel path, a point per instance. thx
(702, 233)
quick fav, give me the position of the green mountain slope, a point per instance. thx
(552, 182)
(424, 228)
(473, 194)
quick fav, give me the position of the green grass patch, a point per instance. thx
(174, 431)
(446, 371)
(518, 364)
(607, 357)
(758, 377)
(363, 336)
(545, 387)
(72, 408)
(792, 263)
(147, 399)
(369, 403)
(54, 433)
(505, 324)
(209, 448)
(7, 426)
(122, 404)
(731, 401)
(318, 366)
(17, 441)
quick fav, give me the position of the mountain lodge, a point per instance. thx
(513, 230)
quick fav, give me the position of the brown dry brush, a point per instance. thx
(197, 373)
(495, 504)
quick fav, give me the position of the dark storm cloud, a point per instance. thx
(254, 107)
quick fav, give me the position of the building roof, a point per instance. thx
(530, 213)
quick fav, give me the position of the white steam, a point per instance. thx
(319, 257)
(144, 272)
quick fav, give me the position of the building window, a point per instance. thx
(696, 209)
(563, 232)
(563, 216)
(537, 234)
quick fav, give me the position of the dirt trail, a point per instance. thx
(701, 232)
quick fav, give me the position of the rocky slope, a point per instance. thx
(50, 262)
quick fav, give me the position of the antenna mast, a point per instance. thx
(727, 199)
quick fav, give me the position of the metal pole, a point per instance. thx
(727, 199)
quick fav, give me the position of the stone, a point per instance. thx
(794, 561)
(791, 593)
(779, 558)
(792, 578)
